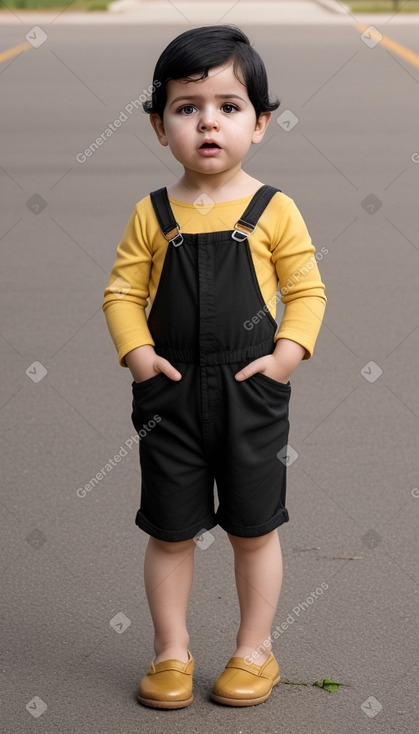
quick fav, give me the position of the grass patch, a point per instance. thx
(383, 6)
(76, 5)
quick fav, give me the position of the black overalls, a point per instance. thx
(208, 426)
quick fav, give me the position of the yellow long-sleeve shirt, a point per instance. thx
(281, 250)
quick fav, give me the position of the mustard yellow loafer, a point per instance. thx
(167, 685)
(246, 684)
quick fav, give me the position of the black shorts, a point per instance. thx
(209, 427)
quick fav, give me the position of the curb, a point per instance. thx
(334, 7)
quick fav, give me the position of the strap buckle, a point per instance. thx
(242, 230)
(174, 237)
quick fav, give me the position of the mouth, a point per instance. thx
(209, 144)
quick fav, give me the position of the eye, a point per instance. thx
(187, 109)
(229, 108)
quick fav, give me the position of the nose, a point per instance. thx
(208, 121)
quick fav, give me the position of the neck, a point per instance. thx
(216, 186)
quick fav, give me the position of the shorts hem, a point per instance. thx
(254, 531)
(173, 535)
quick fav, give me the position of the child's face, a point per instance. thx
(216, 108)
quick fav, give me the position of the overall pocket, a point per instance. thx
(148, 400)
(284, 387)
(262, 379)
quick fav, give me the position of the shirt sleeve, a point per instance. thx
(301, 287)
(127, 292)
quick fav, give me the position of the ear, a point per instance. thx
(261, 125)
(158, 127)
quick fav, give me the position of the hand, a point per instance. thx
(145, 363)
(268, 365)
(279, 365)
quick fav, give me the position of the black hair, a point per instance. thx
(198, 50)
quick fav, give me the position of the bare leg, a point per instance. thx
(168, 576)
(258, 569)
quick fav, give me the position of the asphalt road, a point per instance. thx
(77, 635)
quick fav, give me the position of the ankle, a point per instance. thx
(256, 655)
(172, 653)
(172, 649)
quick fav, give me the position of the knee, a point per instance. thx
(253, 544)
(172, 547)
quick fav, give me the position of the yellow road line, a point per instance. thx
(4, 55)
(402, 51)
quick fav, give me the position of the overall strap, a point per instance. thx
(242, 229)
(249, 219)
(165, 218)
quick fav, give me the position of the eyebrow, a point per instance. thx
(198, 97)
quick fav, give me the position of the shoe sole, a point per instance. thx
(165, 704)
(244, 701)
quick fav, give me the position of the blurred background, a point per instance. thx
(344, 145)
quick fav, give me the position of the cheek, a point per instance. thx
(242, 138)
(243, 130)
(177, 131)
